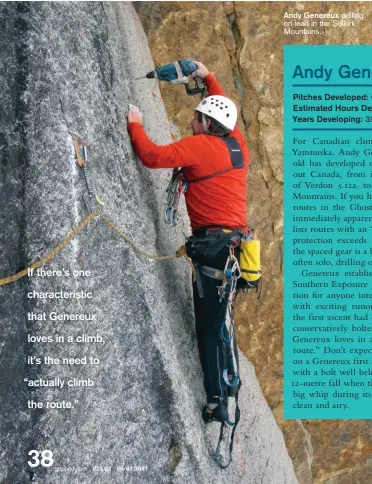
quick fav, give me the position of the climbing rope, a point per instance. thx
(181, 252)
(52, 253)
(82, 160)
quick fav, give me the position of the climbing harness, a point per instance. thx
(95, 213)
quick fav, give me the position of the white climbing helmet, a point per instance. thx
(220, 108)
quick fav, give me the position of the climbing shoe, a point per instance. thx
(218, 414)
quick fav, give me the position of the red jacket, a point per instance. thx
(221, 200)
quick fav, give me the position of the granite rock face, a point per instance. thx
(71, 67)
(242, 42)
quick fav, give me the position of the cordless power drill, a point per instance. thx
(177, 73)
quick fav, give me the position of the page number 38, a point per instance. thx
(44, 458)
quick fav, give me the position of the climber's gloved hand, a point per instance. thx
(201, 71)
(134, 114)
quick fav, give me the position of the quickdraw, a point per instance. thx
(176, 188)
(232, 274)
(81, 153)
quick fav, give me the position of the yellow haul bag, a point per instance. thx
(250, 260)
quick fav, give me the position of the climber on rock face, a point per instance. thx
(216, 159)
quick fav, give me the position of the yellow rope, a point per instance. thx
(180, 252)
(112, 226)
(52, 253)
